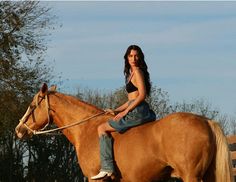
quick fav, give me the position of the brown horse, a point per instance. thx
(182, 145)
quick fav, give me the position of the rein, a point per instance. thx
(35, 132)
(42, 131)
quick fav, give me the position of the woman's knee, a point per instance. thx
(101, 129)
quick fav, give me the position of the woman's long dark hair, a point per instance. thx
(141, 64)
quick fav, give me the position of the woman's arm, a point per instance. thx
(118, 109)
(122, 107)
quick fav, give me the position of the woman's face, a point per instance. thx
(133, 58)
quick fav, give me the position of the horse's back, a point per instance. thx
(155, 147)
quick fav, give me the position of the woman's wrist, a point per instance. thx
(126, 111)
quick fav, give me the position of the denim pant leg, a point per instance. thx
(106, 153)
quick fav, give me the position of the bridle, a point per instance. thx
(30, 111)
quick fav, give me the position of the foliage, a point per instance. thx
(159, 102)
(103, 100)
(204, 108)
(52, 158)
(22, 44)
(23, 27)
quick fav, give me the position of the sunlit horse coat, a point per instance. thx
(182, 145)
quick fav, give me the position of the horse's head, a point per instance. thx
(37, 115)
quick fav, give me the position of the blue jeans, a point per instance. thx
(106, 153)
(139, 115)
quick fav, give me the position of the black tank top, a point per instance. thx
(130, 87)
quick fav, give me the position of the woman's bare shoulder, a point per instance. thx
(138, 75)
(138, 72)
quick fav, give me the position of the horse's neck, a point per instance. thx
(68, 110)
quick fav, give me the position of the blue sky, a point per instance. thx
(189, 46)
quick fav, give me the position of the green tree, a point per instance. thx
(23, 27)
(23, 31)
(159, 102)
(52, 158)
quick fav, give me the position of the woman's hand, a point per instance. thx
(120, 115)
(109, 111)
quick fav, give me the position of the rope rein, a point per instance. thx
(35, 132)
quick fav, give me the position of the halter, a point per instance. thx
(43, 131)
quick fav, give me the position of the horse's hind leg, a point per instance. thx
(186, 177)
(191, 179)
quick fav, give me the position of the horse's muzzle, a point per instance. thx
(21, 131)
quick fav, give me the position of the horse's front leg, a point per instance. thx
(85, 179)
(88, 162)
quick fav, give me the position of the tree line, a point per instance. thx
(24, 27)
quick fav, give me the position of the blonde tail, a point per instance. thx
(223, 163)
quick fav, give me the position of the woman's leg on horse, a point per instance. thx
(106, 151)
(104, 129)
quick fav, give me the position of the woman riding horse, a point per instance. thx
(132, 113)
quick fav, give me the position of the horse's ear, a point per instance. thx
(53, 88)
(44, 89)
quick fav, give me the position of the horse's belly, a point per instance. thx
(144, 172)
(139, 159)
